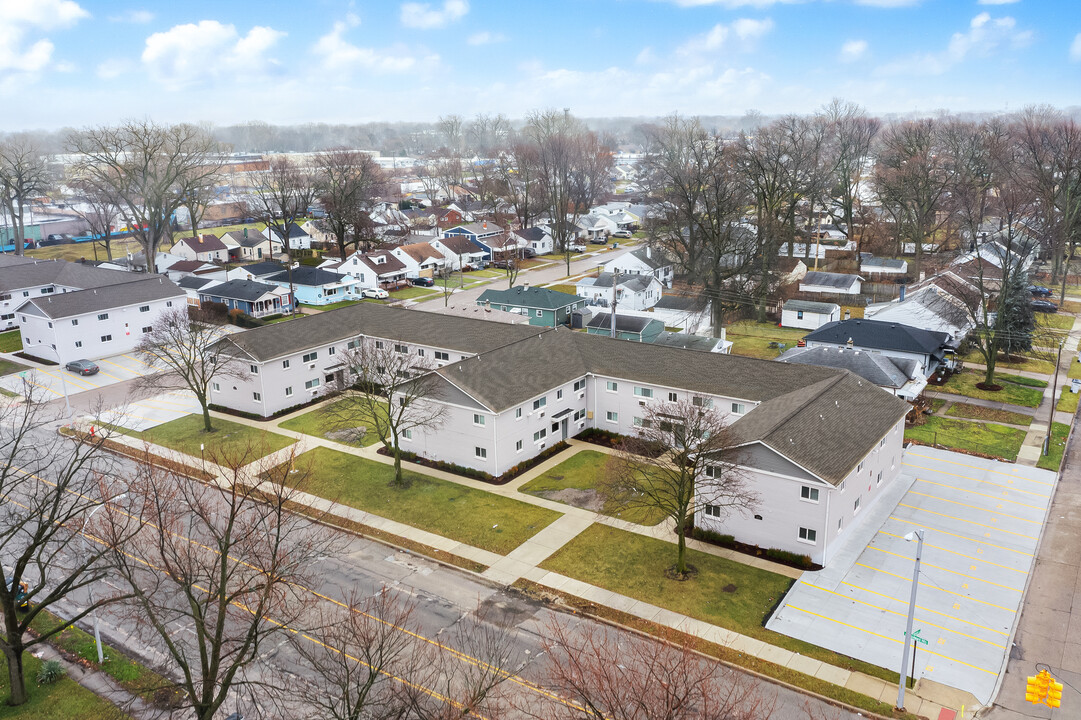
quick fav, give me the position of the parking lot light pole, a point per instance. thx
(90, 588)
(918, 534)
(63, 381)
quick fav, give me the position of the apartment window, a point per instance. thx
(311, 384)
(440, 355)
(407, 433)
(643, 392)
(168, 303)
(518, 446)
(254, 369)
(808, 535)
(637, 422)
(144, 308)
(75, 321)
(378, 344)
(713, 510)
(310, 357)
(540, 313)
(739, 408)
(285, 364)
(611, 386)
(699, 401)
(103, 316)
(611, 416)
(559, 394)
(579, 415)
(878, 480)
(856, 505)
(398, 348)
(332, 350)
(289, 391)
(351, 345)
(78, 343)
(518, 413)
(217, 388)
(480, 452)
(147, 329)
(106, 338)
(420, 352)
(579, 385)
(672, 397)
(478, 419)
(540, 435)
(539, 403)
(809, 493)
(841, 487)
(257, 397)
(714, 471)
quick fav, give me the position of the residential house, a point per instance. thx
(95, 322)
(808, 315)
(872, 265)
(192, 285)
(510, 391)
(929, 348)
(485, 235)
(376, 269)
(931, 308)
(537, 239)
(902, 377)
(690, 313)
(184, 268)
(544, 307)
(829, 283)
(258, 299)
(421, 259)
(206, 247)
(479, 312)
(628, 327)
(642, 261)
(597, 227)
(316, 286)
(251, 245)
(459, 251)
(700, 343)
(256, 271)
(634, 292)
(297, 239)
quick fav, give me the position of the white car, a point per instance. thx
(623, 234)
(576, 247)
(377, 293)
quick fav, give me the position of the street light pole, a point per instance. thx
(90, 587)
(911, 615)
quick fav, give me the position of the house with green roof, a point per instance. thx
(543, 307)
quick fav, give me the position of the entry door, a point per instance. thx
(564, 424)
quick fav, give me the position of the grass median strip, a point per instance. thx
(1053, 459)
(1016, 390)
(724, 592)
(474, 517)
(64, 699)
(978, 412)
(1067, 401)
(978, 437)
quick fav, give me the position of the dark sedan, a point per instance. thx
(1043, 306)
(82, 367)
(423, 281)
(1039, 291)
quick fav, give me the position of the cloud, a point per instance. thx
(745, 30)
(985, 37)
(135, 17)
(20, 55)
(1075, 48)
(43, 14)
(112, 68)
(193, 53)
(424, 17)
(853, 50)
(339, 55)
(486, 38)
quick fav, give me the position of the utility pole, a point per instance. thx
(615, 296)
(1054, 401)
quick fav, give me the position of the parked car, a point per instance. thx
(576, 247)
(1044, 306)
(503, 264)
(82, 367)
(599, 240)
(58, 239)
(423, 281)
(377, 293)
(1039, 291)
(625, 234)
(529, 253)
(466, 267)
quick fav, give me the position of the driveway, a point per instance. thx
(51, 380)
(982, 521)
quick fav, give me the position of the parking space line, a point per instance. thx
(936, 587)
(129, 357)
(1041, 508)
(970, 522)
(963, 537)
(78, 381)
(44, 387)
(939, 567)
(977, 467)
(886, 637)
(924, 608)
(959, 554)
(986, 482)
(977, 507)
(135, 374)
(901, 614)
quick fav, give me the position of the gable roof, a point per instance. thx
(241, 290)
(478, 229)
(634, 283)
(624, 323)
(882, 370)
(828, 279)
(194, 282)
(391, 264)
(254, 238)
(808, 306)
(421, 251)
(262, 269)
(888, 263)
(207, 242)
(686, 341)
(459, 244)
(81, 302)
(190, 266)
(308, 276)
(687, 303)
(879, 335)
(18, 273)
(530, 297)
(653, 258)
(294, 230)
(531, 234)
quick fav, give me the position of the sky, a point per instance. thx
(71, 63)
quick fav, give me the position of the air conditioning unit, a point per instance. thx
(581, 395)
(642, 403)
(542, 445)
(312, 366)
(581, 425)
(541, 414)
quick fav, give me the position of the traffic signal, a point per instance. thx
(1042, 689)
(1054, 694)
(1033, 693)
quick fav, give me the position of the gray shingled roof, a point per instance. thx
(687, 341)
(194, 282)
(828, 279)
(308, 276)
(206, 242)
(624, 323)
(634, 283)
(529, 297)
(808, 306)
(652, 257)
(890, 263)
(262, 269)
(81, 302)
(686, 303)
(881, 370)
(879, 335)
(34, 272)
(240, 290)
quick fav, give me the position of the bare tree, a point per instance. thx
(150, 168)
(100, 206)
(184, 343)
(430, 180)
(487, 133)
(608, 673)
(24, 177)
(682, 459)
(225, 561)
(851, 136)
(197, 198)
(51, 487)
(518, 170)
(388, 389)
(282, 195)
(351, 180)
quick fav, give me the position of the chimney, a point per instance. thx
(923, 275)
(649, 251)
(245, 233)
(525, 285)
(849, 343)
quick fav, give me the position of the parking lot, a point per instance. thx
(150, 412)
(50, 380)
(982, 521)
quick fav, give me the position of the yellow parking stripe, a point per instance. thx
(936, 587)
(963, 537)
(76, 380)
(134, 374)
(970, 522)
(977, 507)
(901, 614)
(885, 637)
(939, 567)
(977, 467)
(927, 609)
(983, 495)
(959, 554)
(129, 357)
(980, 480)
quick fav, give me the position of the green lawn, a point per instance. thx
(1067, 401)
(63, 700)
(978, 412)
(487, 273)
(331, 306)
(7, 367)
(569, 289)
(1053, 459)
(753, 339)
(11, 342)
(582, 472)
(1016, 390)
(725, 593)
(474, 517)
(1075, 369)
(1055, 320)
(327, 419)
(986, 438)
(411, 292)
(1029, 364)
(186, 433)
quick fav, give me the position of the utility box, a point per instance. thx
(1075, 386)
